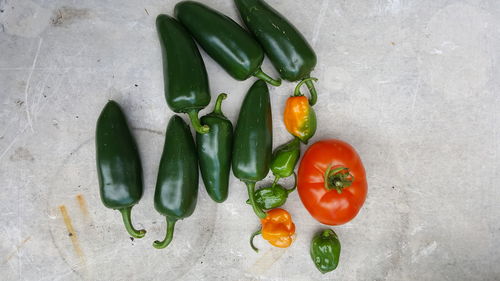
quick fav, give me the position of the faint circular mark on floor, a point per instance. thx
(61, 191)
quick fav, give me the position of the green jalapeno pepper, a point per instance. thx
(214, 152)
(177, 184)
(325, 250)
(118, 165)
(224, 40)
(185, 76)
(285, 46)
(253, 140)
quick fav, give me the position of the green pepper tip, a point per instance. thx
(168, 236)
(128, 223)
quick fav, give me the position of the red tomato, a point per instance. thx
(332, 182)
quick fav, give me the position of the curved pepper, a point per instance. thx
(118, 165)
(176, 190)
(224, 40)
(325, 250)
(275, 196)
(253, 140)
(185, 76)
(299, 116)
(214, 152)
(285, 46)
(277, 228)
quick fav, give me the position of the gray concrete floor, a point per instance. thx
(413, 85)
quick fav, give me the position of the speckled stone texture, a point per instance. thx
(413, 85)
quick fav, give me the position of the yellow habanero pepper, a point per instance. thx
(277, 228)
(299, 116)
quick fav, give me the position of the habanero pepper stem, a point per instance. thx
(309, 83)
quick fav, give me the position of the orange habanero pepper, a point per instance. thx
(299, 116)
(277, 228)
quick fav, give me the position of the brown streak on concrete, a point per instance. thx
(71, 232)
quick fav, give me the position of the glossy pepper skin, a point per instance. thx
(299, 116)
(275, 196)
(177, 184)
(285, 158)
(285, 46)
(253, 140)
(224, 40)
(118, 165)
(277, 228)
(185, 76)
(325, 250)
(214, 152)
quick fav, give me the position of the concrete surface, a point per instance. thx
(413, 85)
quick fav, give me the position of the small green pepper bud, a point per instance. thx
(325, 250)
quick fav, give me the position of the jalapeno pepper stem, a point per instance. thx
(312, 90)
(258, 232)
(337, 178)
(268, 79)
(168, 236)
(251, 195)
(294, 185)
(218, 103)
(128, 224)
(195, 121)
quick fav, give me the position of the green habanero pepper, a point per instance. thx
(285, 46)
(224, 40)
(325, 250)
(185, 76)
(214, 152)
(274, 196)
(285, 158)
(253, 140)
(177, 184)
(119, 166)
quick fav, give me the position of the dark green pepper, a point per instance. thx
(177, 184)
(285, 158)
(224, 40)
(185, 76)
(214, 152)
(253, 140)
(285, 46)
(118, 165)
(325, 250)
(275, 196)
